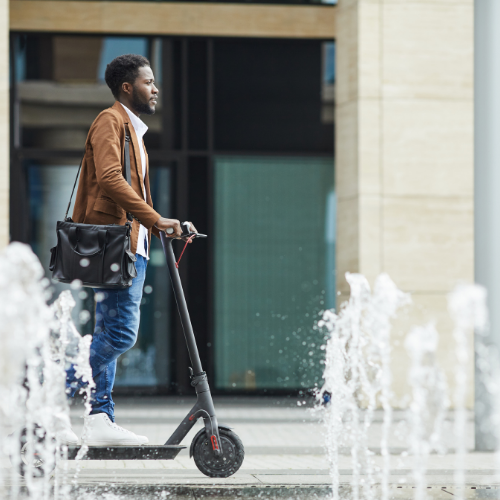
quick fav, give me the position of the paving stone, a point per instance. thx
(284, 458)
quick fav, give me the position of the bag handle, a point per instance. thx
(102, 236)
(126, 154)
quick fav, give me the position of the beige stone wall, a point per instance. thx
(404, 155)
(4, 123)
(173, 18)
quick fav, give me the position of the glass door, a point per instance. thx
(274, 269)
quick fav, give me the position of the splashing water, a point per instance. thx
(71, 349)
(83, 371)
(21, 290)
(38, 342)
(429, 402)
(467, 307)
(488, 371)
(357, 373)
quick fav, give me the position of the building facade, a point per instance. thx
(404, 158)
(306, 140)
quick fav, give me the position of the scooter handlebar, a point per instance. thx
(186, 231)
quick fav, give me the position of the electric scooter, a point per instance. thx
(216, 449)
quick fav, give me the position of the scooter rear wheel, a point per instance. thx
(224, 465)
(27, 442)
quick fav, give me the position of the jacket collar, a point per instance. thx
(121, 110)
(135, 142)
(140, 127)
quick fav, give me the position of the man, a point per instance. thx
(104, 197)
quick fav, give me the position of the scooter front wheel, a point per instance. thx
(224, 465)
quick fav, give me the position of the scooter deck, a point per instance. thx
(165, 452)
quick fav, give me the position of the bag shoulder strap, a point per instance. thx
(126, 154)
(73, 190)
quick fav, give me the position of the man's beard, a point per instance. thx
(139, 105)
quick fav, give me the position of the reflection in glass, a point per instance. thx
(49, 188)
(114, 46)
(148, 362)
(60, 86)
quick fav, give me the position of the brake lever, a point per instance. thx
(186, 233)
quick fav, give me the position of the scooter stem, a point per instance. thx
(204, 406)
(187, 328)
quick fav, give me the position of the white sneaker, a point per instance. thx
(103, 432)
(67, 436)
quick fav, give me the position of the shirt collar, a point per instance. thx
(139, 126)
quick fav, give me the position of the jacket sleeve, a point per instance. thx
(155, 231)
(106, 145)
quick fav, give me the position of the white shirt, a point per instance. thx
(140, 129)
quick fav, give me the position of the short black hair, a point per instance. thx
(123, 69)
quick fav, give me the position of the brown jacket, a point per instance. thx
(104, 196)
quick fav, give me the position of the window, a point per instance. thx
(242, 145)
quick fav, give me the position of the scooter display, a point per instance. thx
(217, 451)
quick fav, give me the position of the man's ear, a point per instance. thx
(127, 88)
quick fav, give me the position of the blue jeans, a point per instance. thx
(116, 329)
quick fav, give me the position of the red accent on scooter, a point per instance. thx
(191, 417)
(215, 445)
(182, 253)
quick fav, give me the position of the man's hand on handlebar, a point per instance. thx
(171, 227)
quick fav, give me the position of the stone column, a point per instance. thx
(404, 155)
(487, 201)
(4, 123)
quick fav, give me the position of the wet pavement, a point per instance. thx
(284, 457)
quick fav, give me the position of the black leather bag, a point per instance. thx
(97, 255)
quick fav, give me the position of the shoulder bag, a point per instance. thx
(97, 255)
